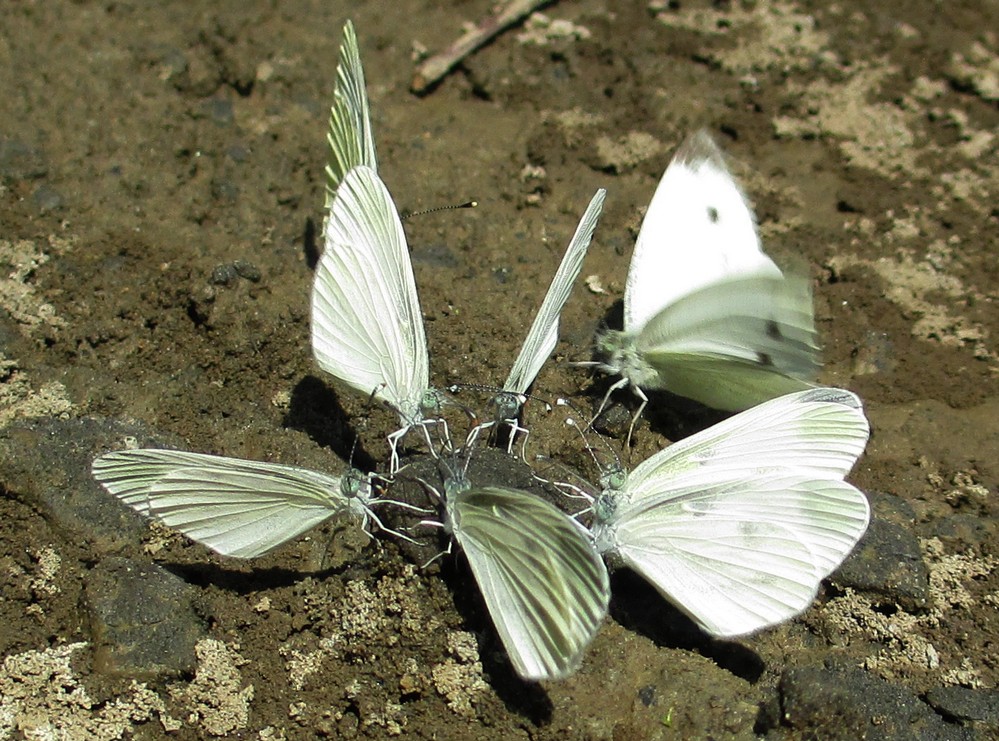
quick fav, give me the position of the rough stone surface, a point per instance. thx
(143, 619)
(848, 703)
(46, 463)
(888, 562)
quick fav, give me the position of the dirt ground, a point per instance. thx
(161, 186)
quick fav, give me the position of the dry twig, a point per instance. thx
(433, 70)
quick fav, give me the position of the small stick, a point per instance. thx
(433, 70)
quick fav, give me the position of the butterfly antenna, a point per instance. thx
(410, 214)
(601, 467)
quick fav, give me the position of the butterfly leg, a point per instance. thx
(394, 439)
(474, 433)
(641, 408)
(445, 552)
(446, 439)
(619, 384)
(390, 531)
(514, 429)
(523, 444)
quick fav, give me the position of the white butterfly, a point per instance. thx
(543, 334)
(235, 507)
(737, 525)
(350, 136)
(707, 315)
(367, 328)
(545, 587)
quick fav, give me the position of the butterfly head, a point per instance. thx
(614, 479)
(619, 355)
(612, 483)
(431, 403)
(507, 405)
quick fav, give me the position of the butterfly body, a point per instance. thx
(708, 315)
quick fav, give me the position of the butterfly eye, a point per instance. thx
(614, 479)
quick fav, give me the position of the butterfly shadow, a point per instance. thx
(316, 411)
(636, 605)
(310, 245)
(244, 577)
(676, 417)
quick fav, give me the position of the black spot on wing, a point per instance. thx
(773, 330)
(713, 215)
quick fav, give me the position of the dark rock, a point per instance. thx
(225, 275)
(970, 531)
(613, 421)
(435, 255)
(142, 619)
(977, 708)
(220, 110)
(834, 704)
(888, 562)
(47, 465)
(47, 198)
(18, 161)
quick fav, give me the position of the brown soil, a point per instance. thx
(145, 145)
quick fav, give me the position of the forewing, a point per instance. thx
(745, 553)
(235, 507)
(543, 335)
(350, 137)
(367, 329)
(762, 326)
(821, 431)
(545, 587)
(130, 474)
(698, 230)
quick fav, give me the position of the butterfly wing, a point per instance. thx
(543, 335)
(545, 587)
(367, 328)
(743, 552)
(350, 137)
(698, 230)
(738, 524)
(734, 343)
(235, 507)
(821, 431)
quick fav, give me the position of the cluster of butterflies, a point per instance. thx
(736, 525)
